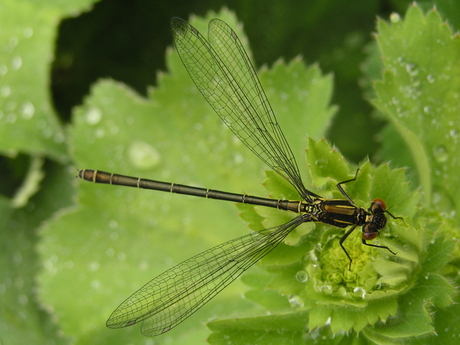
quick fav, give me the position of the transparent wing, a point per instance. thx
(222, 71)
(174, 295)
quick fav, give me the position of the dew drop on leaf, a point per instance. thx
(28, 32)
(395, 17)
(59, 137)
(301, 276)
(5, 91)
(94, 266)
(320, 162)
(295, 301)
(27, 110)
(93, 116)
(23, 299)
(143, 155)
(3, 69)
(359, 291)
(96, 284)
(16, 62)
(113, 224)
(412, 69)
(11, 118)
(238, 159)
(440, 153)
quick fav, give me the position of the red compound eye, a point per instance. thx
(378, 204)
(368, 236)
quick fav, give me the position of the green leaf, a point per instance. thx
(27, 120)
(414, 317)
(325, 163)
(419, 94)
(23, 319)
(296, 89)
(447, 321)
(438, 255)
(273, 329)
(278, 329)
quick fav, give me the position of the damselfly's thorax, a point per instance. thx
(339, 212)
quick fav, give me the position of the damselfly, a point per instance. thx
(222, 71)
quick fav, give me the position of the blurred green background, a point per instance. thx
(127, 41)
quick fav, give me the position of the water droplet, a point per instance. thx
(10, 118)
(27, 110)
(295, 301)
(129, 120)
(28, 32)
(59, 137)
(321, 162)
(47, 132)
(5, 91)
(96, 284)
(17, 258)
(359, 291)
(93, 116)
(440, 154)
(99, 133)
(186, 159)
(93, 266)
(238, 158)
(283, 96)
(235, 141)
(143, 155)
(395, 17)
(301, 276)
(324, 288)
(23, 299)
(12, 43)
(426, 109)
(430, 78)
(16, 62)
(121, 256)
(3, 69)
(412, 69)
(144, 265)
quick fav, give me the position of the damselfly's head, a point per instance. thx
(378, 221)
